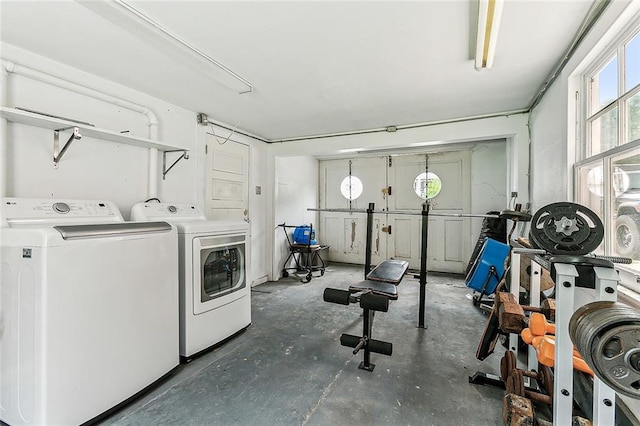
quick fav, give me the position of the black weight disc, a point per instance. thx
(566, 228)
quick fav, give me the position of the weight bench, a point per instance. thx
(373, 294)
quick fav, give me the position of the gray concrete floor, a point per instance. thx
(288, 367)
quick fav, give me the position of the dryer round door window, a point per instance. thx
(222, 267)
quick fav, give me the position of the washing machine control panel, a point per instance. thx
(166, 211)
(26, 211)
(62, 208)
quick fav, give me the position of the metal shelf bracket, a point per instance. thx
(57, 152)
(165, 170)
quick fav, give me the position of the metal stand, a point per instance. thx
(367, 252)
(423, 264)
(369, 304)
(477, 300)
(423, 255)
(606, 281)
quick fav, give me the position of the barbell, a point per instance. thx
(514, 215)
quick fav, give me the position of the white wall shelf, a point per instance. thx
(79, 130)
(32, 119)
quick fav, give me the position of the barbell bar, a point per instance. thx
(508, 214)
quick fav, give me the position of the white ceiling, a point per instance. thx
(317, 67)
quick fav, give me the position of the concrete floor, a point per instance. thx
(288, 367)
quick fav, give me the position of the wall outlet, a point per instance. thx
(514, 194)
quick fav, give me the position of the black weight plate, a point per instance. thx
(566, 228)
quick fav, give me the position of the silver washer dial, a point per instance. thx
(62, 208)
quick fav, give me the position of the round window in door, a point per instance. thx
(427, 185)
(351, 187)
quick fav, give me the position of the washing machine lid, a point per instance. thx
(169, 212)
(210, 227)
(39, 213)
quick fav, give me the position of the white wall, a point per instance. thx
(95, 169)
(488, 181)
(553, 134)
(296, 189)
(513, 129)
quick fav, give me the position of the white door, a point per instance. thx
(227, 189)
(345, 233)
(449, 237)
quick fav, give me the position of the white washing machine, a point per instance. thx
(215, 284)
(88, 309)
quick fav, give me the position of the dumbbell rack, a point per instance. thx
(606, 281)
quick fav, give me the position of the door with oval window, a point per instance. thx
(352, 184)
(445, 178)
(398, 183)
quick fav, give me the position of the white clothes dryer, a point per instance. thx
(215, 279)
(88, 309)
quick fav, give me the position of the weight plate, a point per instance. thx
(507, 364)
(607, 335)
(616, 356)
(508, 385)
(517, 382)
(545, 380)
(566, 228)
(516, 216)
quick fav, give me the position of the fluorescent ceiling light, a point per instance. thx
(137, 23)
(347, 150)
(427, 143)
(489, 15)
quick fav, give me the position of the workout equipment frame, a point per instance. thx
(370, 211)
(424, 213)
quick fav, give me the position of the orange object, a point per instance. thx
(540, 326)
(529, 338)
(546, 351)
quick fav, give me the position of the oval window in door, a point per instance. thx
(427, 185)
(351, 187)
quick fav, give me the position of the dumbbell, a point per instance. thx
(511, 314)
(547, 308)
(515, 385)
(539, 325)
(546, 351)
(544, 376)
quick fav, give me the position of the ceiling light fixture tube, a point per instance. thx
(489, 15)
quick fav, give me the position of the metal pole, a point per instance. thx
(367, 327)
(367, 255)
(423, 264)
(406, 212)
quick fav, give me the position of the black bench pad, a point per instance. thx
(389, 271)
(383, 289)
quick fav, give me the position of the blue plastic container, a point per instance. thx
(302, 234)
(493, 253)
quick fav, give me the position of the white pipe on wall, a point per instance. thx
(152, 119)
(4, 135)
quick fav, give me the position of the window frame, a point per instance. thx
(630, 32)
(584, 140)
